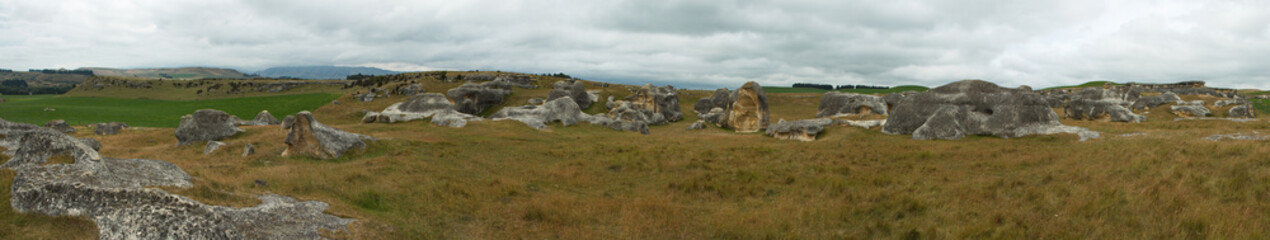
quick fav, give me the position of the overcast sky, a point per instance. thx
(696, 44)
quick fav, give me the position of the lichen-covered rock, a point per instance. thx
(427, 105)
(834, 104)
(698, 125)
(29, 145)
(1190, 110)
(365, 97)
(248, 149)
(627, 116)
(92, 143)
(1057, 100)
(573, 89)
(715, 116)
(212, 146)
(1099, 104)
(563, 109)
(59, 125)
(893, 99)
(506, 82)
(801, 130)
(1149, 102)
(308, 137)
(975, 107)
(474, 98)
(748, 111)
(110, 128)
(206, 125)
(262, 118)
(409, 90)
(1244, 110)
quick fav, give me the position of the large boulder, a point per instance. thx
(308, 137)
(1099, 104)
(507, 81)
(801, 130)
(894, 99)
(474, 98)
(410, 90)
(110, 128)
(563, 110)
(1190, 110)
(721, 98)
(975, 107)
(262, 118)
(1244, 110)
(662, 101)
(1148, 102)
(573, 89)
(748, 111)
(59, 125)
(205, 125)
(426, 105)
(835, 104)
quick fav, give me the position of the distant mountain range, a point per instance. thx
(169, 73)
(321, 72)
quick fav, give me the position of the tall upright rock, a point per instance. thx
(308, 137)
(748, 111)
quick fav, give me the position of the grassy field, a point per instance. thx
(202, 89)
(148, 113)
(503, 180)
(896, 89)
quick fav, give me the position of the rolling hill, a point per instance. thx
(170, 73)
(321, 72)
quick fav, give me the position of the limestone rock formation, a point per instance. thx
(721, 98)
(471, 98)
(248, 149)
(698, 125)
(976, 107)
(748, 111)
(563, 109)
(1244, 110)
(427, 105)
(663, 101)
(1149, 102)
(894, 99)
(117, 195)
(1099, 104)
(834, 104)
(92, 143)
(409, 90)
(206, 125)
(110, 128)
(1228, 102)
(573, 89)
(628, 116)
(715, 116)
(59, 125)
(262, 118)
(212, 146)
(308, 137)
(1189, 110)
(801, 130)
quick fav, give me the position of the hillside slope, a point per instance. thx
(170, 73)
(321, 72)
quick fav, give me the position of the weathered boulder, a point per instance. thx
(248, 149)
(212, 146)
(1099, 104)
(410, 90)
(893, 99)
(1189, 110)
(663, 101)
(92, 143)
(59, 125)
(308, 137)
(30, 145)
(975, 107)
(206, 125)
(508, 81)
(262, 118)
(628, 116)
(835, 104)
(801, 130)
(1149, 102)
(748, 111)
(536, 101)
(426, 105)
(1244, 110)
(1228, 102)
(573, 89)
(715, 116)
(365, 97)
(1057, 100)
(721, 98)
(473, 98)
(698, 125)
(563, 109)
(110, 128)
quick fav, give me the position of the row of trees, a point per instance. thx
(19, 87)
(84, 72)
(828, 87)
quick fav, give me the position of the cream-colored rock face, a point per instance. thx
(747, 113)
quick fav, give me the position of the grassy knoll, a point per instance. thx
(861, 91)
(147, 113)
(1083, 85)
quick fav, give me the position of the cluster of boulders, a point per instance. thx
(837, 104)
(744, 110)
(1117, 103)
(206, 125)
(975, 107)
(307, 137)
(121, 198)
(428, 105)
(1099, 104)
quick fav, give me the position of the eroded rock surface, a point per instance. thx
(563, 109)
(748, 111)
(976, 107)
(1148, 102)
(59, 125)
(110, 128)
(471, 98)
(1099, 104)
(206, 125)
(117, 195)
(262, 118)
(308, 137)
(834, 104)
(801, 130)
(1244, 110)
(427, 105)
(573, 89)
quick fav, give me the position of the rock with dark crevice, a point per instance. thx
(1149, 102)
(307, 137)
(976, 107)
(563, 109)
(835, 104)
(748, 110)
(573, 89)
(1244, 110)
(471, 98)
(60, 125)
(801, 130)
(1099, 104)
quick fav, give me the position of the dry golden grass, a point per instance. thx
(503, 180)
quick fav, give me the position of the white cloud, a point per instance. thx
(685, 43)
